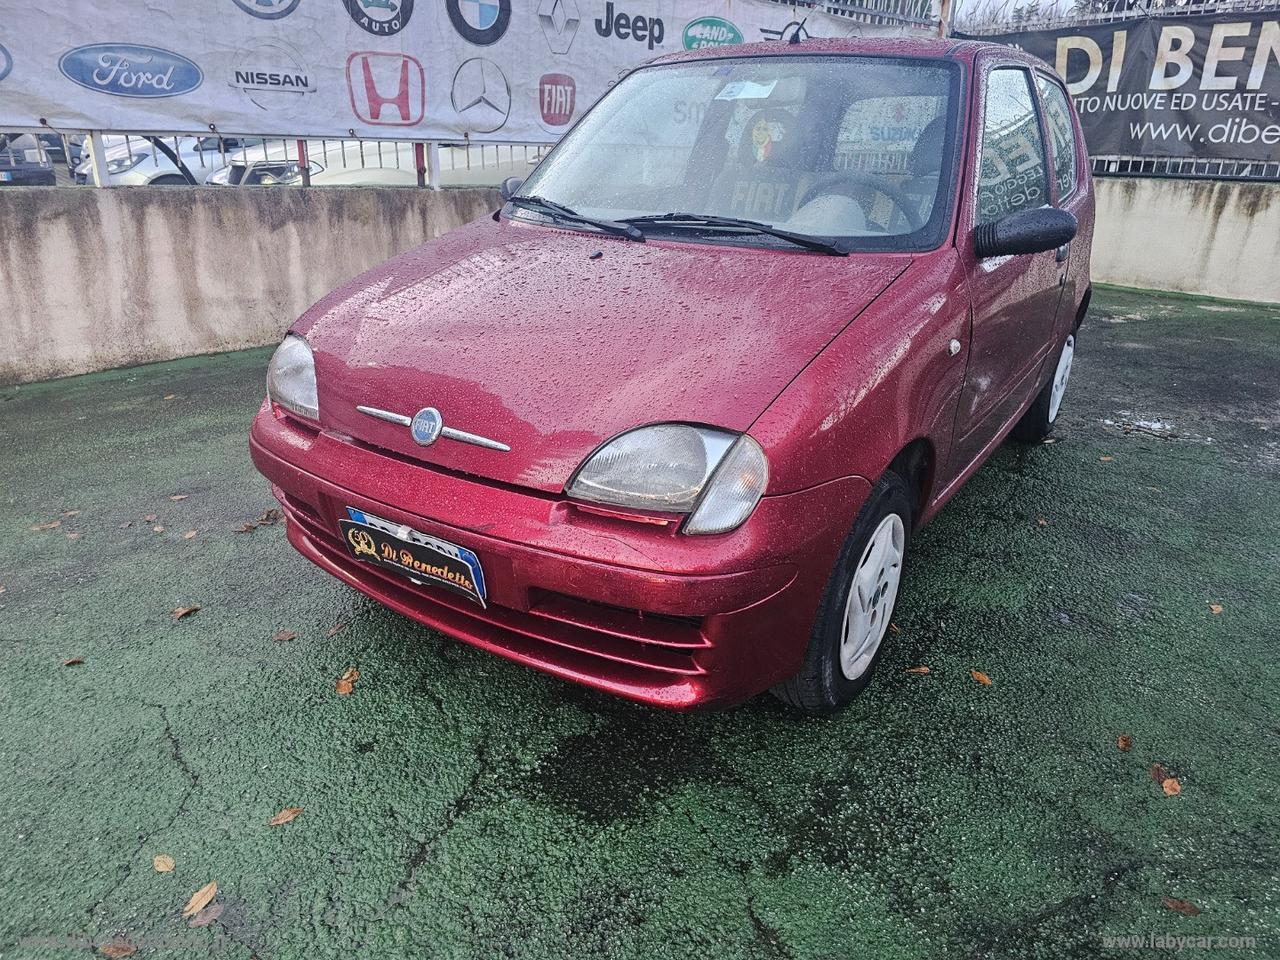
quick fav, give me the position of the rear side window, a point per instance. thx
(1057, 117)
(1014, 174)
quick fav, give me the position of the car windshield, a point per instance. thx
(848, 148)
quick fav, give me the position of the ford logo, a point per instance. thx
(130, 70)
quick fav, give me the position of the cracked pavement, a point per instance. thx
(460, 806)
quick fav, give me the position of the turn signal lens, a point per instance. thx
(291, 378)
(735, 489)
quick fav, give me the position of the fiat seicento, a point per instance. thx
(666, 422)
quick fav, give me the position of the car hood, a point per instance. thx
(552, 341)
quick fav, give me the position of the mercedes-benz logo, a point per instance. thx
(481, 95)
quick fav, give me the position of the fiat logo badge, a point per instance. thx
(426, 426)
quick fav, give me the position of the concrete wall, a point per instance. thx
(1197, 236)
(91, 279)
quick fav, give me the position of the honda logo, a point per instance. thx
(387, 89)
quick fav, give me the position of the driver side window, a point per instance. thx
(1013, 173)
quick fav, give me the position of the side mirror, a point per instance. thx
(1026, 231)
(509, 187)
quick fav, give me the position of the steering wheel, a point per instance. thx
(844, 180)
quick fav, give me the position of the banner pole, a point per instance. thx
(303, 165)
(98, 157)
(433, 165)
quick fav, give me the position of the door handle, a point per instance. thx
(1062, 252)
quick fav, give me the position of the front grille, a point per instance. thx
(556, 627)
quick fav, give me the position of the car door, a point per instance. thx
(1015, 298)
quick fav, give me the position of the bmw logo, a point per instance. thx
(426, 426)
(481, 22)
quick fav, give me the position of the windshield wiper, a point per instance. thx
(561, 212)
(821, 244)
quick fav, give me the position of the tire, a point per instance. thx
(824, 684)
(169, 180)
(1037, 422)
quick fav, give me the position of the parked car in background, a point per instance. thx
(666, 424)
(24, 162)
(135, 161)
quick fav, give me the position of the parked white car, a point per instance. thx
(135, 161)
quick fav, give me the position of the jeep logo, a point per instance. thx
(626, 27)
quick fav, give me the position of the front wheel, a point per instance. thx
(848, 635)
(1037, 422)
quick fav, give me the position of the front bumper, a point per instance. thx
(636, 610)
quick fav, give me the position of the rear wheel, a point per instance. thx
(848, 635)
(1037, 422)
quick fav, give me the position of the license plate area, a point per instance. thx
(419, 557)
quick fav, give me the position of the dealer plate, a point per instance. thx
(413, 554)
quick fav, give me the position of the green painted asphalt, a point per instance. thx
(456, 805)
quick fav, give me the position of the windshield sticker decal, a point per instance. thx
(746, 90)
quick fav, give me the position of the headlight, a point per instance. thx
(715, 476)
(291, 378)
(121, 164)
(220, 177)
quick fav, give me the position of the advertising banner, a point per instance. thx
(383, 69)
(1205, 87)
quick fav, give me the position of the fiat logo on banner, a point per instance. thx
(557, 94)
(388, 89)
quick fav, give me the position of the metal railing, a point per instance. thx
(1185, 168)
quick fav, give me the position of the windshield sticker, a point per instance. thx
(746, 90)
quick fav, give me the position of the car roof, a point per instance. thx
(935, 48)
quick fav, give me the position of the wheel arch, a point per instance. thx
(916, 463)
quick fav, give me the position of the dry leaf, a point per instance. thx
(1181, 906)
(158, 528)
(150, 518)
(1158, 773)
(1171, 787)
(1043, 522)
(200, 899)
(181, 612)
(74, 536)
(917, 669)
(894, 628)
(1215, 608)
(189, 535)
(981, 677)
(117, 948)
(170, 396)
(284, 636)
(71, 513)
(73, 662)
(347, 681)
(126, 525)
(179, 496)
(336, 629)
(207, 915)
(163, 863)
(1124, 742)
(1106, 459)
(245, 528)
(269, 516)
(51, 525)
(2, 591)
(287, 815)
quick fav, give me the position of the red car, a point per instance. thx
(665, 423)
